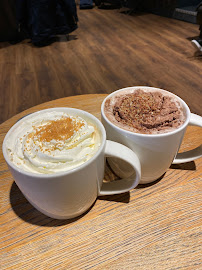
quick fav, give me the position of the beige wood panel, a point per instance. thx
(155, 226)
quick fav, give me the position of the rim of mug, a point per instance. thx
(185, 106)
(78, 112)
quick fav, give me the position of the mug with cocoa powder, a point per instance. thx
(152, 122)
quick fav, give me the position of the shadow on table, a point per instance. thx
(140, 186)
(189, 166)
(24, 210)
(123, 197)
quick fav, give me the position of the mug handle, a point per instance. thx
(195, 120)
(114, 149)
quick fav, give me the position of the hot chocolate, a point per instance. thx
(145, 111)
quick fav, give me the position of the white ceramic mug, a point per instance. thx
(68, 194)
(156, 152)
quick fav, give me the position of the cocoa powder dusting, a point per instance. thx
(148, 112)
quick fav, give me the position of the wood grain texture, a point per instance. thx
(110, 50)
(155, 226)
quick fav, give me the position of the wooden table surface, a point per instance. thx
(156, 226)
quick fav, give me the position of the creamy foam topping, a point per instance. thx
(144, 111)
(52, 142)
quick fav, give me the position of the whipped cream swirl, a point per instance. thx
(52, 142)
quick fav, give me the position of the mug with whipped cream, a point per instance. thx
(57, 159)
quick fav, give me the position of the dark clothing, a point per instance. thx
(8, 25)
(39, 20)
(43, 19)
